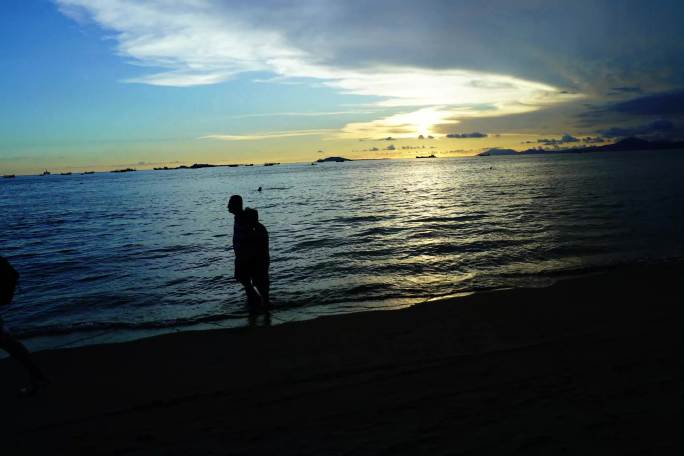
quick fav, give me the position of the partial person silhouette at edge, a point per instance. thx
(250, 244)
(9, 278)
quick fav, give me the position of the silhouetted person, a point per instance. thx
(241, 249)
(259, 258)
(8, 284)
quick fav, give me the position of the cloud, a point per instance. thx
(446, 57)
(427, 121)
(624, 90)
(566, 138)
(475, 134)
(269, 135)
(659, 104)
(200, 42)
(658, 127)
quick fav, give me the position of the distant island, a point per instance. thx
(197, 166)
(624, 145)
(333, 159)
(426, 156)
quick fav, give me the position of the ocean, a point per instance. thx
(109, 257)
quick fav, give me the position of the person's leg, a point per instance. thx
(252, 296)
(263, 285)
(19, 352)
(242, 275)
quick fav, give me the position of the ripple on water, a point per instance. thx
(152, 250)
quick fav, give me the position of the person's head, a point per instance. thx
(251, 216)
(235, 204)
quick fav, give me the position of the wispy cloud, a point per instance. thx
(269, 135)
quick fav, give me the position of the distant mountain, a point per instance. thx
(333, 159)
(642, 144)
(624, 145)
(497, 151)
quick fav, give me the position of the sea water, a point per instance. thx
(114, 256)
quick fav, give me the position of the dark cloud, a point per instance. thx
(566, 138)
(659, 104)
(656, 104)
(566, 44)
(624, 90)
(646, 112)
(593, 139)
(658, 127)
(475, 134)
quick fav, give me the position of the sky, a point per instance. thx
(97, 84)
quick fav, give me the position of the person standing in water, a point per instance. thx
(241, 248)
(8, 284)
(251, 264)
(259, 258)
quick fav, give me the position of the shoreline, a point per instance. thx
(44, 339)
(83, 337)
(585, 366)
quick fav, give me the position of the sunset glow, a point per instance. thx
(131, 83)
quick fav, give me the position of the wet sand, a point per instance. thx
(587, 366)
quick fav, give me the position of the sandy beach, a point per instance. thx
(587, 366)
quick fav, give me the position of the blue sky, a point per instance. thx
(107, 82)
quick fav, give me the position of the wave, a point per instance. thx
(107, 326)
(333, 298)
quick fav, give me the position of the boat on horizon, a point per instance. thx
(8, 176)
(271, 164)
(426, 156)
(45, 173)
(65, 174)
